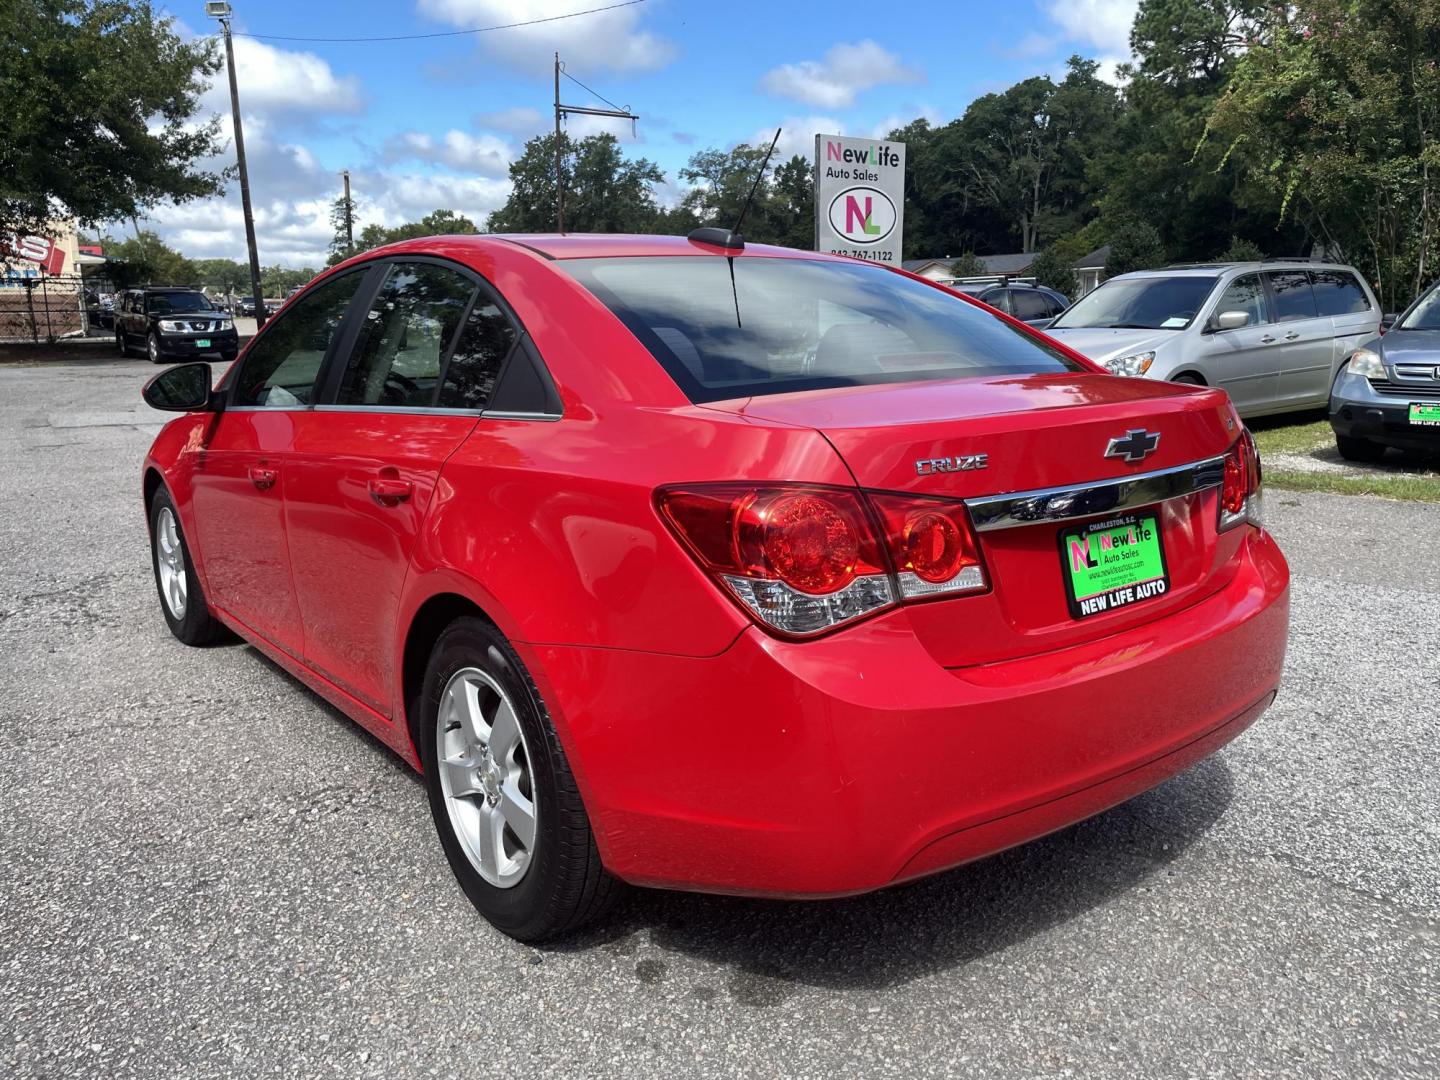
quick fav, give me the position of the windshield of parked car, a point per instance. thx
(752, 325)
(1426, 314)
(166, 303)
(1148, 303)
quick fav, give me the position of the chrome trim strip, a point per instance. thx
(409, 410)
(1049, 505)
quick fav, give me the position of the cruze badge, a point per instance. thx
(958, 463)
(1135, 445)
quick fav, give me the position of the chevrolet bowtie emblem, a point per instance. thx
(1136, 445)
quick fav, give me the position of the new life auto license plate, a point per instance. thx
(1113, 564)
(1425, 413)
(202, 343)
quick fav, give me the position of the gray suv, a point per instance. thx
(1272, 334)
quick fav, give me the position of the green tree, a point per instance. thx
(145, 259)
(1136, 245)
(97, 121)
(604, 190)
(1241, 251)
(968, 265)
(1331, 119)
(342, 245)
(1053, 270)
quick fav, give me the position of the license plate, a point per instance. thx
(202, 343)
(1425, 413)
(1113, 564)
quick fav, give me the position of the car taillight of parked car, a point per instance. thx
(804, 559)
(1240, 495)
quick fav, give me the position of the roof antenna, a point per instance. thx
(730, 239)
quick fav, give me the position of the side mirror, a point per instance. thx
(1388, 321)
(1232, 320)
(185, 388)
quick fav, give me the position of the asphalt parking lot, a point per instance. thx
(210, 873)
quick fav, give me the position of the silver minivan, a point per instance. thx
(1272, 334)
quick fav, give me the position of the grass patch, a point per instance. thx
(1406, 486)
(1292, 438)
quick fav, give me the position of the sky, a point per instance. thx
(431, 123)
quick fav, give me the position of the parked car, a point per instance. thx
(1388, 392)
(1271, 334)
(681, 564)
(1036, 305)
(245, 306)
(170, 323)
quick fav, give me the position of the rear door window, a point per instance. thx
(1294, 299)
(1030, 304)
(405, 337)
(1337, 292)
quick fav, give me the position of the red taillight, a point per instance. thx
(1240, 499)
(804, 558)
(931, 545)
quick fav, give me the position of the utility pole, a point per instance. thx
(560, 111)
(349, 217)
(221, 10)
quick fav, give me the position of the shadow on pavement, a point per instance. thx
(896, 935)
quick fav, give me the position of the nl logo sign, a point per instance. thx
(859, 197)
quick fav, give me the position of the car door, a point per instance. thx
(1354, 317)
(1307, 348)
(1244, 361)
(367, 461)
(238, 488)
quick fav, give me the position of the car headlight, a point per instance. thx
(1367, 364)
(223, 324)
(1138, 364)
(171, 326)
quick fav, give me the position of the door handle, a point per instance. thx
(390, 490)
(1291, 336)
(263, 477)
(1267, 339)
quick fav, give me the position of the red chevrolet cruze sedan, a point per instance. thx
(708, 566)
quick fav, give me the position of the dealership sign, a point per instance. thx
(859, 197)
(34, 249)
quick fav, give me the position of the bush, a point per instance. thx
(1134, 246)
(1053, 270)
(968, 265)
(1241, 251)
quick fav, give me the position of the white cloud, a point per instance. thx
(798, 136)
(612, 40)
(484, 154)
(516, 121)
(278, 80)
(834, 82)
(1103, 24)
(1031, 46)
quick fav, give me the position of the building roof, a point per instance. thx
(1017, 263)
(915, 266)
(1096, 260)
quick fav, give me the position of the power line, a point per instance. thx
(442, 33)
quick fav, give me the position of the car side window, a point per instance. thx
(1337, 292)
(1247, 294)
(407, 332)
(1030, 304)
(284, 361)
(485, 342)
(1293, 296)
(998, 298)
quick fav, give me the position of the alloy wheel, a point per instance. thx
(486, 777)
(170, 562)
(154, 348)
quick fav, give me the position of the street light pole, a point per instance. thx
(221, 11)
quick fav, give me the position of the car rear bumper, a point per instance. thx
(1358, 411)
(856, 761)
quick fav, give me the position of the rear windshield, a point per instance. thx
(781, 325)
(1151, 303)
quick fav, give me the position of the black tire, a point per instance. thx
(152, 348)
(1363, 450)
(565, 885)
(197, 626)
(1188, 380)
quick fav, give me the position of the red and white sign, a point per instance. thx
(38, 249)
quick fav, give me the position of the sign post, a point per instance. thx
(859, 197)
